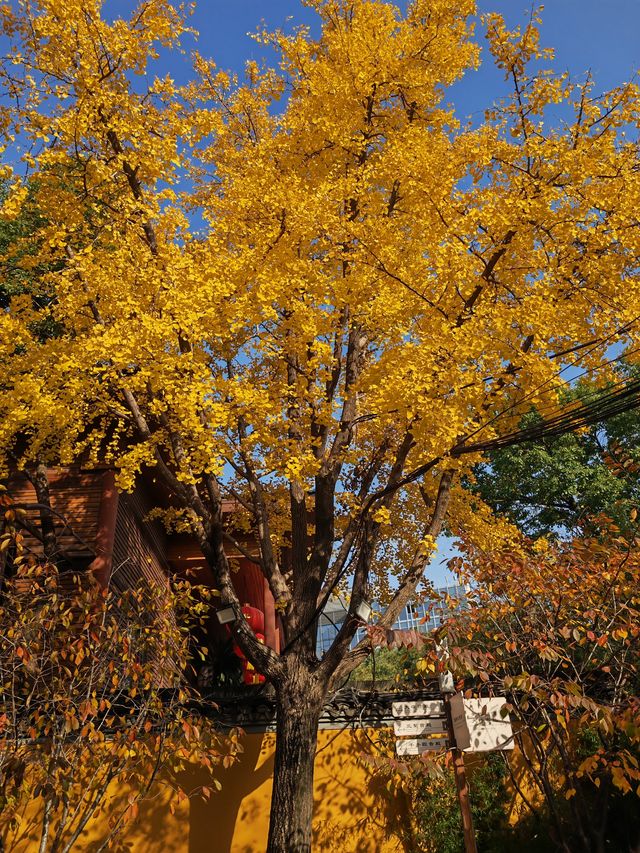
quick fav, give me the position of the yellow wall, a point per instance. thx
(352, 813)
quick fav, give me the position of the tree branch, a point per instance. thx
(408, 585)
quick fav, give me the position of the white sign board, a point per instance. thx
(416, 746)
(488, 728)
(417, 728)
(422, 708)
(459, 720)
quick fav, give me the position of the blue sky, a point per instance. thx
(596, 35)
(586, 35)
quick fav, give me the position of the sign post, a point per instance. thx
(457, 728)
(418, 746)
(419, 726)
(456, 723)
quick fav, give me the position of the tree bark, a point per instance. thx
(299, 700)
(40, 482)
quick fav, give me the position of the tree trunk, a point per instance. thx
(40, 482)
(299, 704)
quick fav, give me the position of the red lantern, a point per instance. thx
(254, 617)
(255, 620)
(238, 651)
(249, 675)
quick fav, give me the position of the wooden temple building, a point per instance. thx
(111, 536)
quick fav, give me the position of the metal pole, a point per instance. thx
(462, 786)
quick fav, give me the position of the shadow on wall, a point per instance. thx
(353, 811)
(237, 817)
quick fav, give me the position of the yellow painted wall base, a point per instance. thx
(352, 813)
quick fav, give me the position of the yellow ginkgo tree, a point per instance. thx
(312, 290)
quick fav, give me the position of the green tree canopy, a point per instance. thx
(556, 485)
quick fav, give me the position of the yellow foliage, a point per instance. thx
(368, 269)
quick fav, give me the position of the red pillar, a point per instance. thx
(271, 633)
